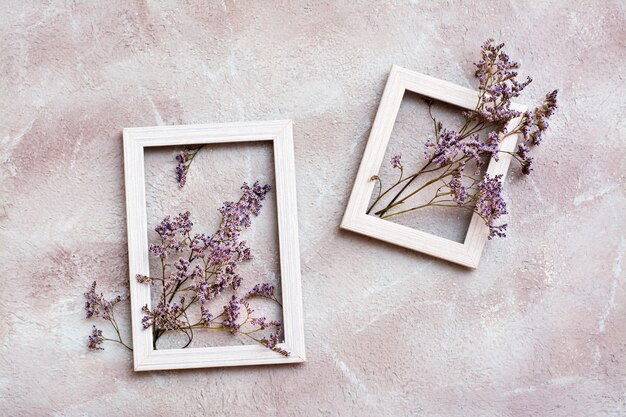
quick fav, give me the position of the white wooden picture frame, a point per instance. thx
(355, 218)
(279, 133)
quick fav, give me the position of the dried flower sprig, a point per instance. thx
(197, 271)
(453, 152)
(96, 306)
(185, 157)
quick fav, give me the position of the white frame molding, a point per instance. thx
(279, 133)
(355, 218)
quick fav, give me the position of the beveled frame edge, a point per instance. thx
(280, 134)
(355, 218)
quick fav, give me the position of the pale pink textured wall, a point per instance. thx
(537, 330)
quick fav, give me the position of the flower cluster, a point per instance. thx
(451, 147)
(490, 204)
(95, 339)
(533, 125)
(199, 270)
(273, 340)
(182, 167)
(498, 84)
(458, 191)
(164, 315)
(96, 306)
(170, 231)
(395, 161)
(185, 157)
(456, 157)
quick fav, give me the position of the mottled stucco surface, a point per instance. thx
(537, 330)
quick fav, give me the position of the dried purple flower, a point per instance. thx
(184, 158)
(232, 311)
(181, 169)
(451, 148)
(477, 141)
(206, 268)
(95, 339)
(540, 118)
(93, 301)
(274, 339)
(96, 304)
(395, 161)
(458, 191)
(237, 216)
(173, 233)
(164, 316)
(262, 290)
(497, 83)
(205, 315)
(491, 205)
(263, 323)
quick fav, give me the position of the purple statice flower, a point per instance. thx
(498, 84)
(199, 245)
(157, 250)
(491, 205)
(97, 305)
(164, 316)
(445, 149)
(207, 267)
(232, 311)
(395, 161)
(450, 148)
(532, 126)
(262, 323)
(93, 301)
(261, 290)
(478, 150)
(223, 279)
(237, 216)
(107, 306)
(274, 339)
(540, 118)
(458, 191)
(173, 233)
(181, 176)
(522, 155)
(182, 270)
(181, 168)
(184, 159)
(95, 339)
(205, 315)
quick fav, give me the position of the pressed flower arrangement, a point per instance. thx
(198, 271)
(455, 157)
(192, 292)
(461, 168)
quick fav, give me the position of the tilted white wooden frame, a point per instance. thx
(279, 133)
(355, 218)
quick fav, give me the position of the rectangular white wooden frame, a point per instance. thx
(279, 133)
(355, 218)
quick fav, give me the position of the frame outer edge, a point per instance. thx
(444, 91)
(280, 134)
